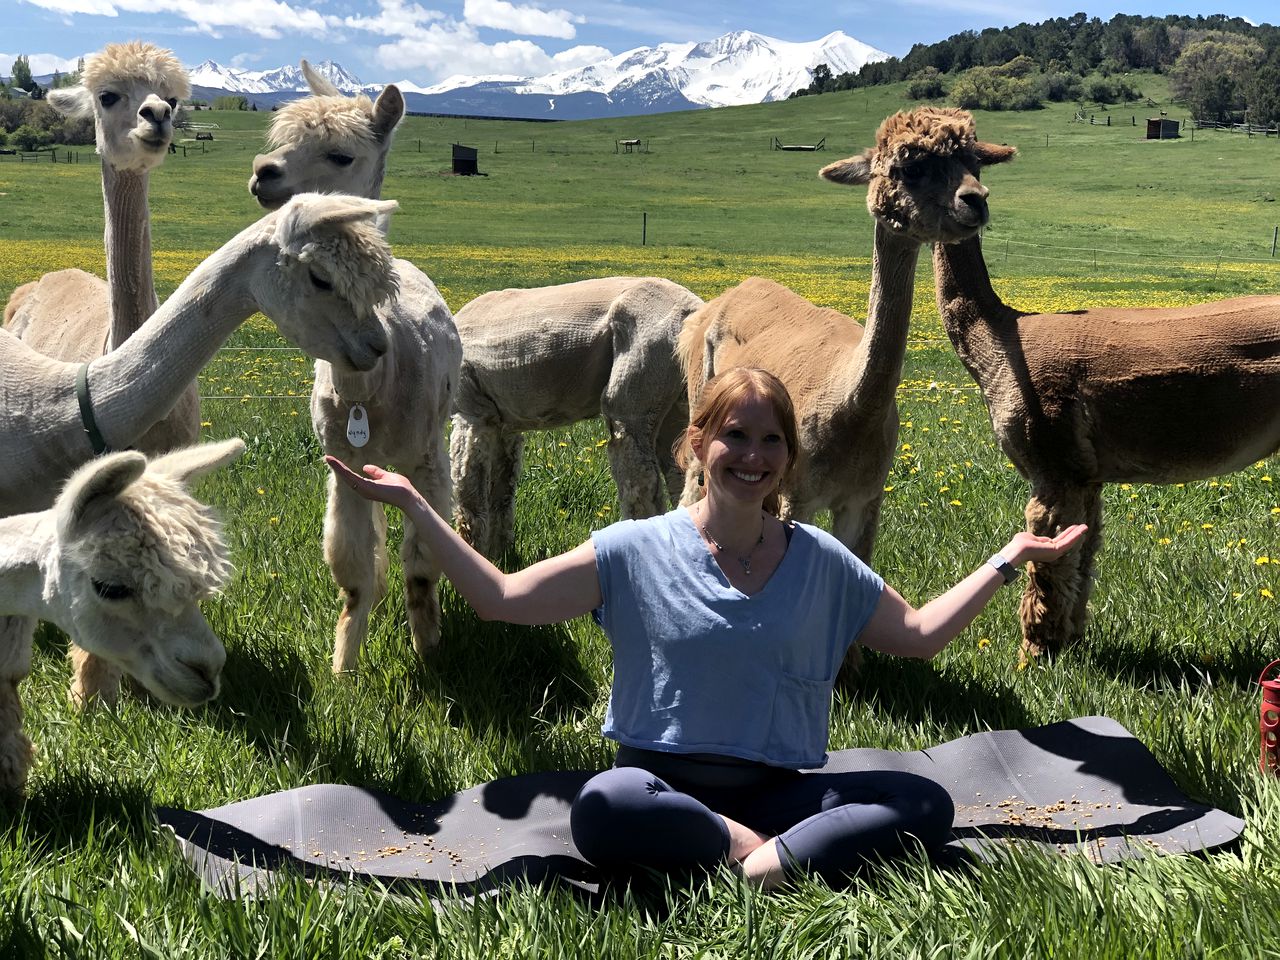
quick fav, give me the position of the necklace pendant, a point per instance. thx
(746, 565)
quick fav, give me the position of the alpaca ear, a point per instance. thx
(191, 462)
(388, 110)
(96, 483)
(851, 170)
(989, 153)
(307, 213)
(320, 86)
(74, 102)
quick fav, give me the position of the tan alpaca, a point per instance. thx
(318, 268)
(1079, 399)
(332, 142)
(922, 177)
(550, 356)
(131, 90)
(120, 563)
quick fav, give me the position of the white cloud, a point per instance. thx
(531, 21)
(442, 50)
(266, 18)
(40, 63)
(394, 18)
(579, 56)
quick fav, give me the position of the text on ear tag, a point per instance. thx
(357, 426)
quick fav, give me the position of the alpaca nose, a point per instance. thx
(265, 169)
(973, 205)
(155, 111)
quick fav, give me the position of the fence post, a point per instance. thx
(644, 228)
(1274, 234)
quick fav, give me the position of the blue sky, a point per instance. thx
(390, 40)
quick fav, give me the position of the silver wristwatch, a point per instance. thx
(1007, 569)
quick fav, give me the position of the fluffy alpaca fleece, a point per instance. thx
(120, 563)
(332, 142)
(357, 261)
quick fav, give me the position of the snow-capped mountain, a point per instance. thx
(738, 68)
(286, 79)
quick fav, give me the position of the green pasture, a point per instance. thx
(1184, 615)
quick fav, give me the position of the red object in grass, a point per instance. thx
(1269, 722)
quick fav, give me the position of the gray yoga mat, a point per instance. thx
(1080, 786)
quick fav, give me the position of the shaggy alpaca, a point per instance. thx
(332, 142)
(318, 267)
(130, 90)
(1079, 399)
(551, 356)
(923, 187)
(120, 563)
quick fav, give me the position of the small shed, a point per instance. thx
(465, 160)
(1162, 128)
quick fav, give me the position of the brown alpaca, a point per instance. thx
(923, 187)
(1079, 399)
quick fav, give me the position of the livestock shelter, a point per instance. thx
(1162, 128)
(465, 160)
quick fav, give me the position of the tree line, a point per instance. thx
(1224, 68)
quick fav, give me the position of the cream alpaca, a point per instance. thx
(131, 90)
(1079, 399)
(332, 142)
(843, 379)
(551, 356)
(318, 267)
(120, 563)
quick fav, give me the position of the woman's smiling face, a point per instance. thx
(748, 455)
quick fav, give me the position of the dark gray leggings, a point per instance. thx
(659, 810)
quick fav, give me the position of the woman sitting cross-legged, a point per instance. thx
(728, 628)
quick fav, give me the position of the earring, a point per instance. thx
(701, 479)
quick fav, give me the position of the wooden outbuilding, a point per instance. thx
(1162, 128)
(465, 160)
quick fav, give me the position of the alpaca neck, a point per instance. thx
(357, 386)
(128, 243)
(875, 370)
(973, 314)
(135, 385)
(26, 543)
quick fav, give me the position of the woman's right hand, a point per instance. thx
(377, 484)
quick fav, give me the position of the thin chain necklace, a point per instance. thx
(744, 561)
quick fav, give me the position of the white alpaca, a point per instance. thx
(551, 356)
(130, 90)
(318, 268)
(394, 413)
(120, 563)
(843, 378)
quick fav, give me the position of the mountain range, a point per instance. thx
(738, 68)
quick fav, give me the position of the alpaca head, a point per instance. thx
(332, 269)
(922, 174)
(327, 142)
(136, 554)
(131, 90)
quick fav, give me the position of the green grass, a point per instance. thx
(1183, 617)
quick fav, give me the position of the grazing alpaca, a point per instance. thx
(1079, 399)
(130, 90)
(318, 267)
(332, 142)
(923, 187)
(120, 563)
(551, 356)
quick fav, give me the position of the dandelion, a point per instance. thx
(983, 643)
(1263, 559)
(1206, 526)
(906, 447)
(1265, 592)
(1164, 541)
(206, 423)
(274, 521)
(261, 492)
(956, 503)
(889, 489)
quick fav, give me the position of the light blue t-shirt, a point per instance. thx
(700, 667)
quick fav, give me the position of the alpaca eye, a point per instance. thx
(341, 159)
(914, 172)
(111, 591)
(320, 282)
(108, 99)
(173, 102)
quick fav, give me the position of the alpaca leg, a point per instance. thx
(93, 680)
(356, 556)
(421, 571)
(508, 462)
(472, 448)
(641, 483)
(16, 751)
(856, 527)
(1052, 594)
(1088, 550)
(673, 427)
